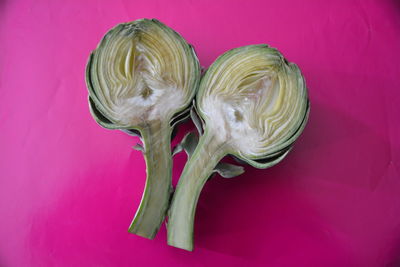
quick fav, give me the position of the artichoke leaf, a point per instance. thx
(227, 170)
(131, 132)
(188, 144)
(197, 121)
(138, 147)
(180, 117)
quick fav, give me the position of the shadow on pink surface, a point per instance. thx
(284, 208)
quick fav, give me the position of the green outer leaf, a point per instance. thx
(267, 164)
(138, 147)
(227, 170)
(131, 132)
(188, 144)
(198, 122)
(99, 117)
(180, 117)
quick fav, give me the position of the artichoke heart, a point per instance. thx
(253, 104)
(141, 79)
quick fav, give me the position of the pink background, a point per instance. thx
(69, 189)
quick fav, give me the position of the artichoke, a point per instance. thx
(252, 104)
(141, 79)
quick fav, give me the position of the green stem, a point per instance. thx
(197, 170)
(155, 200)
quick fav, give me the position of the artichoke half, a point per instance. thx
(253, 104)
(141, 79)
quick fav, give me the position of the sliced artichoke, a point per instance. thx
(254, 105)
(142, 78)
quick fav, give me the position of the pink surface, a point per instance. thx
(69, 189)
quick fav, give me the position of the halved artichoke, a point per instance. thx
(253, 104)
(142, 78)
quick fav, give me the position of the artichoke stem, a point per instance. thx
(155, 200)
(197, 170)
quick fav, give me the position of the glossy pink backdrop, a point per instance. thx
(69, 189)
